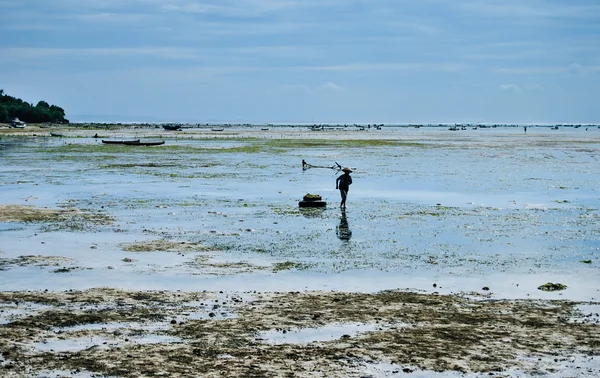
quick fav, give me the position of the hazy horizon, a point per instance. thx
(140, 120)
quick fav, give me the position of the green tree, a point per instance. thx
(11, 107)
(4, 114)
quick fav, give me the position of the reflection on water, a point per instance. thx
(343, 231)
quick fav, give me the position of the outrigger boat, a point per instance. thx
(138, 143)
(120, 141)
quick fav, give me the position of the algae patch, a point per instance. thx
(162, 245)
(550, 286)
(34, 260)
(69, 218)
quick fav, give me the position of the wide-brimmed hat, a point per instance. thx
(346, 169)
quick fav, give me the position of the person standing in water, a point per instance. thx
(343, 184)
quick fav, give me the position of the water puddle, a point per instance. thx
(12, 312)
(326, 333)
(589, 314)
(83, 343)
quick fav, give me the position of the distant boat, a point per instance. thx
(56, 135)
(17, 124)
(120, 141)
(171, 127)
(265, 129)
(217, 129)
(138, 143)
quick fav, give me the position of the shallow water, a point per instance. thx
(463, 210)
(325, 333)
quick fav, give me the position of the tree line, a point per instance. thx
(12, 107)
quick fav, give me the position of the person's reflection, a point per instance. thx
(342, 230)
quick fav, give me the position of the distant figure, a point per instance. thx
(525, 129)
(96, 136)
(343, 184)
(304, 164)
(343, 230)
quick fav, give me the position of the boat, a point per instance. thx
(120, 141)
(138, 143)
(56, 135)
(171, 127)
(17, 124)
(217, 129)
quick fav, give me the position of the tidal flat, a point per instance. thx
(462, 253)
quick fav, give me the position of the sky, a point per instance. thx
(306, 61)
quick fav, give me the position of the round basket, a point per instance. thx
(312, 203)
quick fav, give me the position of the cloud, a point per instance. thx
(371, 67)
(510, 88)
(245, 8)
(529, 9)
(330, 87)
(575, 68)
(534, 70)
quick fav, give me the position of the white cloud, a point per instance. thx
(510, 88)
(330, 87)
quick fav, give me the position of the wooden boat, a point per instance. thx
(172, 127)
(56, 135)
(217, 129)
(120, 141)
(138, 143)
